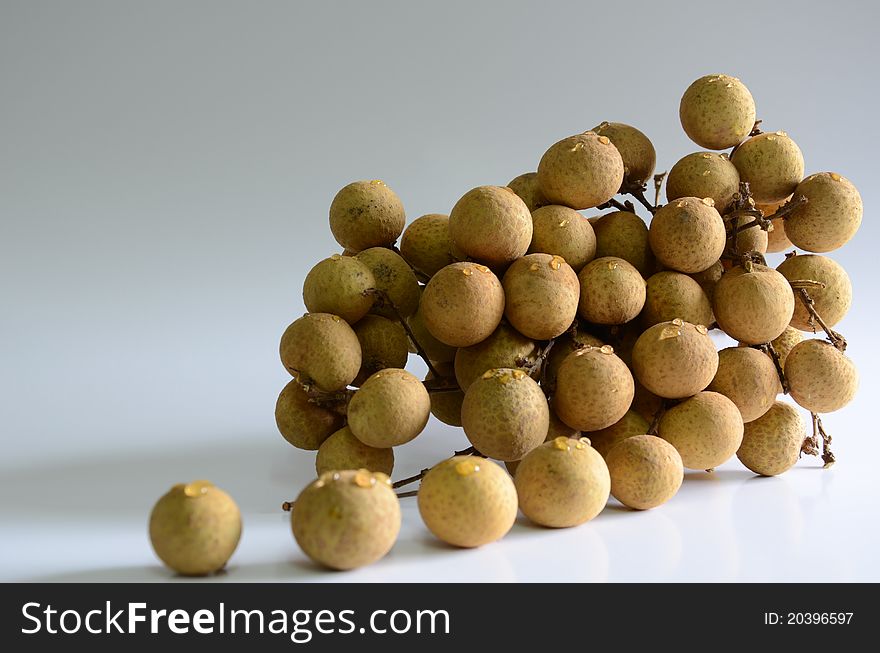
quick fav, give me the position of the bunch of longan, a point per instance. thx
(579, 350)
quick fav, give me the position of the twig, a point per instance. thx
(386, 302)
(810, 447)
(441, 385)
(790, 206)
(655, 422)
(770, 350)
(638, 191)
(470, 451)
(614, 204)
(836, 339)
(287, 506)
(406, 495)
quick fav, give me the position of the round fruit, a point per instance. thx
(821, 378)
(752, 239)
(830, 217)
(708, 278)
(687, 234)
(670, 295)
(339, 285)
(541, 295)
(675, 359)
(562, 347)
(636, 150)
(777, 240)
(557, 429)
(627, 426)
(526, 188)
(426, 244)
(748, 378)
(786, 342)
(624, 235)
(366, 214)
(611, 291)
(304, 424)
(344, 451)
(594, 389)
(492, 225)
(753, 306)
(323, 349)
(383, 344)
(706, 430)
(646, 403)
(437, 351)
(505, 348)
(645, 471)
(772, 443)
(580, 171)
(772, 164)
(446, 406)
(717, 112)
(395, 278)
(704, 174)
(564, 232)
(391, 408)
(831, 302)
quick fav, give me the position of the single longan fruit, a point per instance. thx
(645, 471)
(708, 278)
(195, 528)
(830, 217)
(322, 349)
(704, 174)
(426, 244)
(562, 483)
(753, 306)
(505, 348)
(687, 235)
(636, 150)
(594, 389)
(389, 409)
(437, 351)
(645, 402)
(831, 302)
(772, 164)
(505, 414)
(446, 406)
(462, 304)
(467, 501)
(753, 239)
(557, 429)
(346, 519)
(675, 359)
(611, 291)
(580, 171)
(717, 112)
(366, 214)
(339, 285)
(670, 295)
(395, 278)
(564, 232)
(304, 424)
(772, 443)
(706, 430)
(748, 378)
(786, 342)
(821, 378)
(526, 188)
(541, 295)
(624, 235)
(632, 423)
(384, 344)
(777, 240)
(491, 224)
(562, 347)
(344, 451)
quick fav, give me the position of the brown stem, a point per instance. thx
(410, 480)
(777, 363)
(786, 209)
(836, 339)
(614, 204)
(655, 422)
(385, 301)
(441, 385)
(638, 191)
(405, 495)
(810, 447)
(287, 506)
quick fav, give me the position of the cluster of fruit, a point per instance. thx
(576, 350)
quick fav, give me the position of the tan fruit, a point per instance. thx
(670, 295)
(627, 426)
(611, 291)
(492, 225)
(562, 347)
(675, 359)
(645, 471)
(505, 348)
(786, 342)
(346, 519)
(344, 451)
(580, 171)
(366, 214)
(339, 285)
(624, 235)
(391, 408)
(753, 306)
(636, 150)
(752, 239)
(323, 349)
(708, 278)
(594, 389)
(436, 350)
(821, 378)
(564, 232)
(777, 240)
(645, 402)
(384, 344)
(426, 244)
(717, 112)
(526, 188)
(704, 174)
(541, 295)
(748, 378)
(830, 217)
(557, 429)
(446, 406)
(831, 302)
(687, 235)
(772, 164)
(304, 424)
(772, 443)
(706, 430)
(395, 278)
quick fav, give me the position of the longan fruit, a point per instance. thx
(645, 471)
(772, 164)
(505, 414)
(323, 349)
(195, 528)
(830, 217)
(339, 285)
(446, 406)
(632, 423)
(753, 239)
(366, 214)
(564, 232)
(492, 225)
(389, 409)
(777, 240)
(717, 112)
(748, 378)
(437, 351)
(624, 235)
(462, 304)
(557, 429)
(821, 378)
(384, 344)
(581, 171)
(344, 451)
(562, 347)
(675, 359)
(785, 342)
(708, 278)
(526, 188)
(346, 519)
(706, 430)
(636, 150)
(562, 483)
(645, 402)
(704, 174)
(426, 244)
(304, 424)
(611, 291)
(687, 235)
(669, 295)
(395, 278)
(505, 348)
(594, 389)
(753, 306)
(772, 443)
(831, 302)
(541, 295)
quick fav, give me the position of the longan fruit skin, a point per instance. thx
(366, 214)
(645, 402)
(562, 483)
(426, 244)
(561, 231)
(753, 239)
(753, 306)
(526, 188)
(777, 240)
(624, 235)
(594, 389)
(785, 342)
(437, 351)
(669, 295)
(541, 294)
(195, 528)
(462, 304)
(581, 171)
(565, 345)
(673, 360)
(708, 278)
(632, 423)
(706, 430)
(611, 291)
(748, 378)
(717, 112)
(342, 525)
(446, 406)
(384, 344)
(391, 408)
(505, 414)
(687, 235)
(339, 285)
(820, 377)
(505, 348)
(704, 174)
(492, 225)
(831, 302)
(772, 164)
(645, 471)
(393, 276)
(467, 501)
(323, 348)
(302, 423)
(830, 217)
(636, 150)
(772, 443)
(344, 451)
(557, 429)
